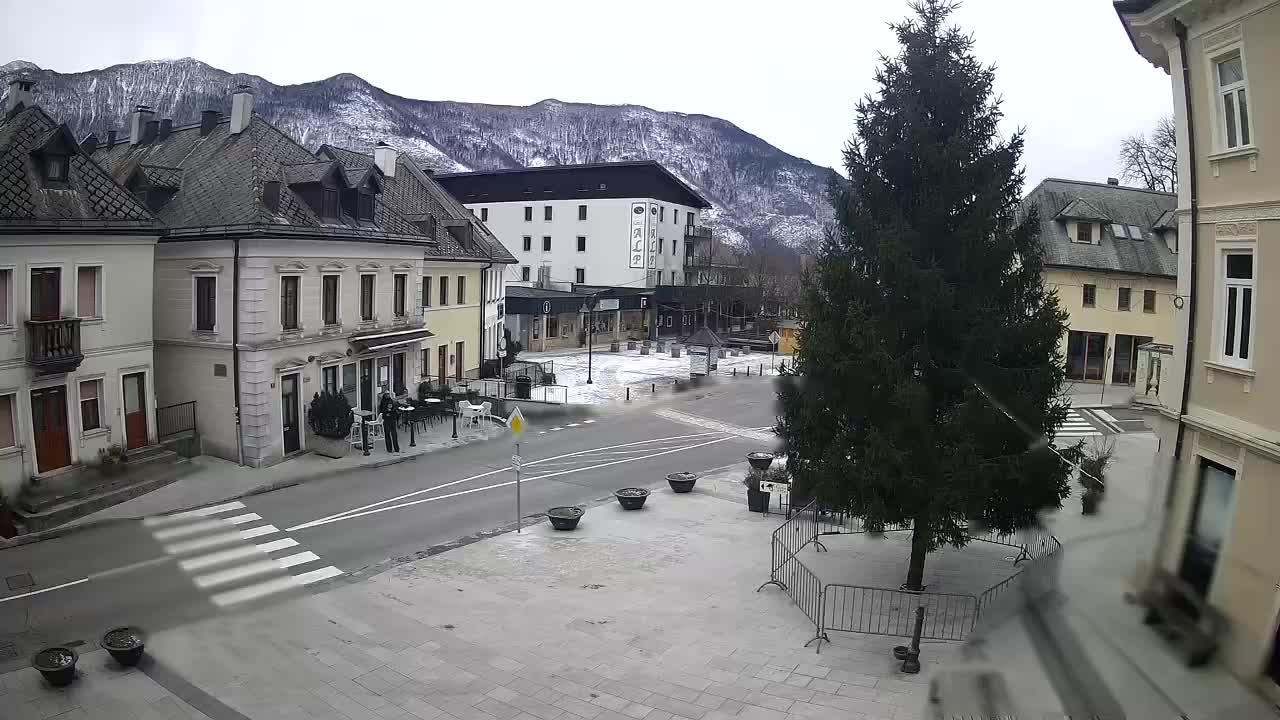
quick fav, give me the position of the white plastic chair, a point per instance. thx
(486, 409)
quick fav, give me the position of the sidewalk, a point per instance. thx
(216, 479)
(648, 615)
(1089, 395)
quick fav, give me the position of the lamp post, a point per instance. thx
(589, 307)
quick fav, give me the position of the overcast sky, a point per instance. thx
(789, 72)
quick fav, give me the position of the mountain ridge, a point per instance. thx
(757, 190)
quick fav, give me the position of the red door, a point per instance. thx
(46, 294)
(135, 411)
(49, 421)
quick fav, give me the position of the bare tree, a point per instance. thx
(1153, 161)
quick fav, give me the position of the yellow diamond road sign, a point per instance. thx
(516, 421)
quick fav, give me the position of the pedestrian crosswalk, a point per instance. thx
(558, 428)
(1075, 426)
(218, 546)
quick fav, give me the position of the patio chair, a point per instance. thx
(486, 410)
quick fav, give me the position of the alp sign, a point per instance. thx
(639, 233)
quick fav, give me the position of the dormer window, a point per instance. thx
(330, 207)
(364, 207)
(55, 168)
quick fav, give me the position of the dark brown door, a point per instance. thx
(46, 294)
(135, 410)
(49, 422)
(442, 362)
(457, 363)
(289, 413)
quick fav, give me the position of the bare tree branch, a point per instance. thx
(1152, 162)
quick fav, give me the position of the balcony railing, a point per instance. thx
(53, 346)
(697, 232)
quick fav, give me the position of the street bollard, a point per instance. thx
(748, 371)
(735, 372)
(411, 442)
(628, 393)
(761, 369)
(364, 435)
(455, 423)
(910, 654)
(653, 387)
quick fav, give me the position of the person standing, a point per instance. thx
(390, 411)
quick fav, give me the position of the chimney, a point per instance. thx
(138, 123)
(166, 127)
(20, 93)
(241, 109)
(208, 121)
(111, 138)
(1113, 181)
(384, 156)
(89, 144)
(151, 131)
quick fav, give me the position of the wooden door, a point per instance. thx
(135, 410)
(46, 293)
(366, 386)
(49, 422)
(457, 363)
(289, 413)
(442, 364)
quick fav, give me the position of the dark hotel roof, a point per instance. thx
(631, 179)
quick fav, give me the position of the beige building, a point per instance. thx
(1218, 405)
(76, 249)
(281, 273)
(1110, 253)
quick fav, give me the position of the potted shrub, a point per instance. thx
(125, 644)
(57, 664)
(682, 482)
(111, 460)
(329, 418)
(757, 499)
(1093, 464)
(631, 498)
(565, 518)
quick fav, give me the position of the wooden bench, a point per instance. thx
(1179, 614)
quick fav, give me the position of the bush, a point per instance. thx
(330, 415)
(1093, 463)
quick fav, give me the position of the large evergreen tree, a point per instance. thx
(929, 377)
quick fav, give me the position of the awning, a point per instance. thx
(389, 338)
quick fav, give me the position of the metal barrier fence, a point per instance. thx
(884, 611)
(510, 390)
(175, 419)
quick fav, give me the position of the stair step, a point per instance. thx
(63, 510)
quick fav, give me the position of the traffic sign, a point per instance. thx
(774, 337)
(516, 461)
(516, 421)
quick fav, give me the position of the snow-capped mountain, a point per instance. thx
(755, 187)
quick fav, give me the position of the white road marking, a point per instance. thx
(323, 573)
(323, 520)
(183, 530)
(242, 519)
(353, 514)
(573, 424)
(204, 543)
(299, 559)
(236, 574)
(259, 531)
(44, 590)
(556, 428)
(204, 561)
(255, 591)
(1106, 416)
(197, 513)
(275, 545)
(587, 422)
(712, 424)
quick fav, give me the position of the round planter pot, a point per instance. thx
(564, 518)
(682, 482)
(757, 501)
(631, 498)
(760, 460)
(56, 664)
(125, 644)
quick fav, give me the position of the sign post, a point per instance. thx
(516, 423)
(774, 337)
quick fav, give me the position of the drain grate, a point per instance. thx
(20, 582)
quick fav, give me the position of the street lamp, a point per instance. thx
(588, 307)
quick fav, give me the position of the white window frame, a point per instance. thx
(103, 427)
(1216, 57)
(407, 302)
(99, 288)
(7, 324)
(14, 413)
(460, 289)
(338, 302)
(62, 286)
(1220, 306)
(360, 299)
(336, 366)
(280, 298)
(195, 301)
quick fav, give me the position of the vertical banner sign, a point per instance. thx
(653, 235)
(639, 234)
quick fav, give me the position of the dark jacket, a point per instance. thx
(389, 407)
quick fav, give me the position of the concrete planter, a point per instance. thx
(682, 482)
(675, 351)
(631, 344)
(662, 346)
(126, 645)
(564, 518)
(57, 664)
(613, 346)
(631, 498)
(644, 350)
(329, 447)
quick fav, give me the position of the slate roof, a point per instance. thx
(417, 196)
(705, 336)
(622, 179)
(1117, 204)
(90, 198)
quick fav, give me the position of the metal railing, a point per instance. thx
(882, 611)
(792, 576)
(175, 419)
(54, 345)
(510, 390)
(701, 232)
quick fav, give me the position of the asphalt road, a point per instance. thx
(269, 547)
